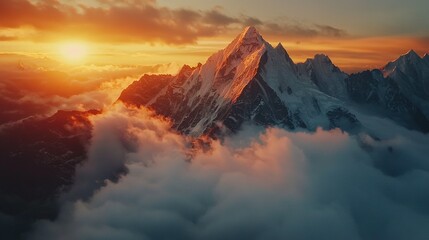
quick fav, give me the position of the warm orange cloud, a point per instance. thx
(126, 22)
(31, 85)
(134, 21)
(135, 32)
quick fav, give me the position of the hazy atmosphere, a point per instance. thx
(357, 35)
(153, 119)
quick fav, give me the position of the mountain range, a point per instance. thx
(249, 81)
(252, 81)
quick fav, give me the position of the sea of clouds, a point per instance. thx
(144, 181)
(39, 86)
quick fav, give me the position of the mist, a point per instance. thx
(144, 181)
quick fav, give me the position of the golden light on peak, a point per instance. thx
(73, 51)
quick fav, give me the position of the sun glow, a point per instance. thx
(74, 51)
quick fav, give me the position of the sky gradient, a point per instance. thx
(356, 34)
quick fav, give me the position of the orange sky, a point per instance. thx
(149, 32)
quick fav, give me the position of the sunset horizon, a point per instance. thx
(214, 119)
(115, 33)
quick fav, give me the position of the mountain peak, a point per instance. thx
(246, 43)
(249, 35)
(185, 71)
(411, 52)
(185, 68)
(279, 46)
(281, 50)
(411, 58)
(411, 55)
(250, 31)
(322, 58)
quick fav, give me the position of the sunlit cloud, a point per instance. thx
(141, 179)
(132, 21)
(146, 32)
(32, 85)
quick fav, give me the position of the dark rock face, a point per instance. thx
(343, 119)
(382, 94)
(254, 106)
(411, 73)
(43, 152)
(142, 91)
(38, 160)
(360, 88)
(426, 58)
(328, 78)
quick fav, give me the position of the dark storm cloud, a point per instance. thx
(259, 184)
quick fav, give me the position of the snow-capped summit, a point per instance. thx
(411, 73)
(410, 59)
(250, 34)
(205, 96)
(252, 81)
(246, 42)
(249, 80)
(412, 55)
(322, 58)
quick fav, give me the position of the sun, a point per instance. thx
(74, 51)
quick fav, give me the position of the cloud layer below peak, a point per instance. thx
(259, 184)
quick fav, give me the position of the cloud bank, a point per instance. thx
(259, 184)
(41, 86)
(132, 21)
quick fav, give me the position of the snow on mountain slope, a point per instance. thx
(247, 81)
(328, 77)
(307, 105)
(411, 73)
(198, 101)
(382, 96)
(142, 91)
